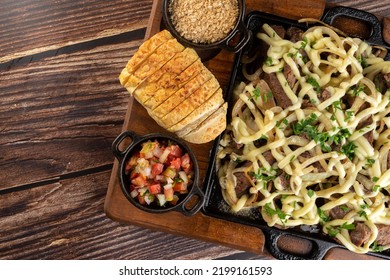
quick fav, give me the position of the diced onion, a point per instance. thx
(183, 176)
(134, 193)
(161, 199)
(168, 186)
(164, 156)
(149, 199)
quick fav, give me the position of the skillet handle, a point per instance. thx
(245, 37)
(196, 192)
(319, 250)
(118, 153)
(368, 18)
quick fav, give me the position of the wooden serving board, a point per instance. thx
(200, 226)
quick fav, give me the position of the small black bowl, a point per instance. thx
(233, 42)
(186, 204)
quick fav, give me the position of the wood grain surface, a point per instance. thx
(61, 107)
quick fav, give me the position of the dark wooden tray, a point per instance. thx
(200, 226)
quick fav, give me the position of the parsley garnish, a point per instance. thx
(270, 212)
(370, 162)
(363, 213)
(376, 248)
(314, 84)
(324, 218)
(268, 61)
(349, 150)
(362, 61)
(255, 94)
(310, 193)
(358, 90)
(334, 231)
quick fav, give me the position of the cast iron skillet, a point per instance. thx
(216, 207)
(185, 204)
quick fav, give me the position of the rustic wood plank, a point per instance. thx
(60, 114)
(29, 27)
(65, 220)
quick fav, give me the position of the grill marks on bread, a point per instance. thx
(176, 89)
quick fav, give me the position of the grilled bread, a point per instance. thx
(176, 89)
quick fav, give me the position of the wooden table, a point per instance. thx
(61, 107)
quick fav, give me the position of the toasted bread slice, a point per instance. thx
(191, 103)
(164, 77)
(182, 94)
(153, 63)
(170, 87)
(199, 114)
(144, 51)
(210, 128)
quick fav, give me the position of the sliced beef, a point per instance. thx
(294, 34)
(382, 82)
(316, 164)
(279, 30)
(383, 237)
(290, 77)
(370, 134)
(338, 212)
(360, 234)
(325, 94)
(243, 183)
(278, 93)
(269, 157)
(388, 160)
(284, 179)
(307, 104)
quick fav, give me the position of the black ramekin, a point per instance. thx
(233, 42)
(185, 205)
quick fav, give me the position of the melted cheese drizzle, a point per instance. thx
(325, 179)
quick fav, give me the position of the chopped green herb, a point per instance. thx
(349, 150)
(292, 158)
(310, 193)
(376, 248)
(177, 180)
(375, 179)
(324, 218)
(358, 90)
(376, 188)
(349, 114)
(304, 43)
(270, 212)
(344, 208)
(334, 231)
(314, 84)
(267, 96)
(268, 61)
(370, 162)
(337, 105)
(255, 94)
(262, 176)
(362, 61)
(363, 213)
(263, 137)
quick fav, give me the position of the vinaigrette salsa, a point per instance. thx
(159, 173)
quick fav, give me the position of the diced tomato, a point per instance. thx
(180, 187)
(186, 163)
(176, 163)
(157, 168)
(176, 150)
(168, 192)
(154, 188)
(139, 180)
